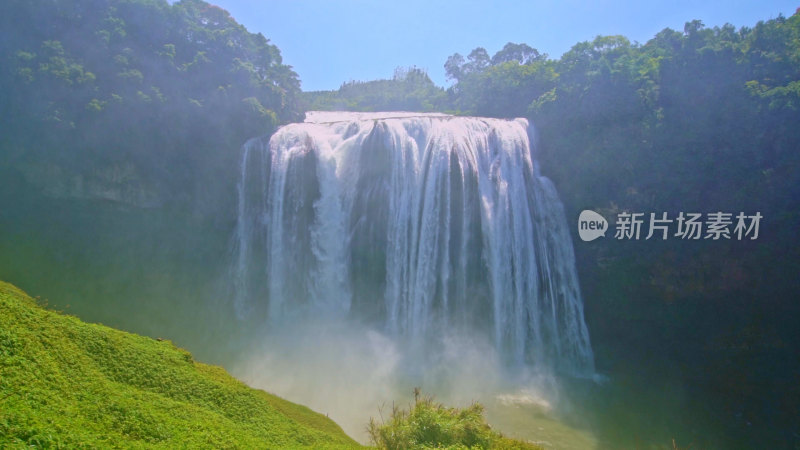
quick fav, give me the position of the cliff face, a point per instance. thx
(113, 245)
(119, 183)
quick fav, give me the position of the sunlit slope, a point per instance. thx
(67, 383)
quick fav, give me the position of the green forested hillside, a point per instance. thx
(137, 101)
(69, 384)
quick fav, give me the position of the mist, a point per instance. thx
(353, 372)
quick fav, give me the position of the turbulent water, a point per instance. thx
(421, 224)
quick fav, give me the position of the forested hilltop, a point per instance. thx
(136, 101)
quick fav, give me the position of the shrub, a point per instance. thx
(428, 424)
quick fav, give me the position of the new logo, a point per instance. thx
(591, 225)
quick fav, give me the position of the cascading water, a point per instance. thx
(421, 223)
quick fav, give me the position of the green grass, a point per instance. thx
(65, 383)
(428, 424)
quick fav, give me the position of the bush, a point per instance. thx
(429, 424)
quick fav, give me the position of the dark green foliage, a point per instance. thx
(173, 90)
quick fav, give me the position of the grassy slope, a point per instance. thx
(66, 383)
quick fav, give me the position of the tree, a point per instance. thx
(478, 60)
(454, 67)
(521, 53)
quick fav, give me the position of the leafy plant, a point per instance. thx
(429, 424)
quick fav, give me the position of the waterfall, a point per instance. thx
(418, 223)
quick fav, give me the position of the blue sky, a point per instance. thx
(331, 42)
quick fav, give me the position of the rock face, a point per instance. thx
(117, 183)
